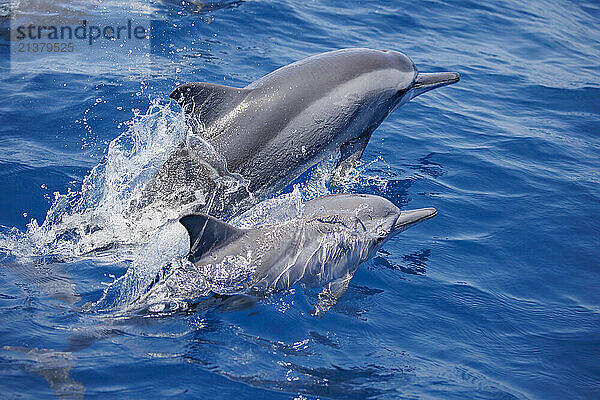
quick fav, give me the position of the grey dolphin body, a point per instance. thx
(323, 247)
(279, 126)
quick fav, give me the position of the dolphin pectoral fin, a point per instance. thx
(330, 295)
(207, 233)
(351, 152)
(207, 102)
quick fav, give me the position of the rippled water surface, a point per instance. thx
(497, 297)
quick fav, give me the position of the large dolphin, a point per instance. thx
(279, 126)
(323, 247)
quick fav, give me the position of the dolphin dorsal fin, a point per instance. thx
(207, 233)
(207, 101)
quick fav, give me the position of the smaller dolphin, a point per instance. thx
(322, 248)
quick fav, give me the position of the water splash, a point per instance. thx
(103, 214)
(279, 209)
(97, 217)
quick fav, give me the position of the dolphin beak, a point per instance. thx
(408, 218)
(425, 82)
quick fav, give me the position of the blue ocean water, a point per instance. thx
(496, 297)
